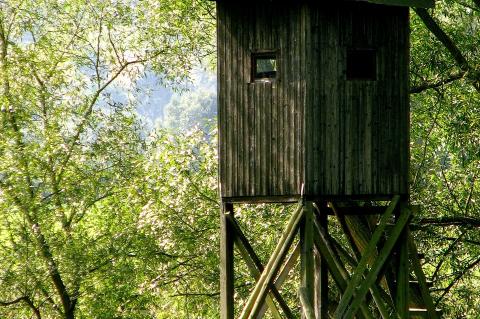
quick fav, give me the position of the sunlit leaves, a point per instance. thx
(445, 158)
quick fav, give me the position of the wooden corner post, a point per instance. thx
(226, 263)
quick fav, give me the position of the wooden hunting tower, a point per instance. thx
(313, 106)
(313, 93)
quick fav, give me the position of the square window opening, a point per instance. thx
(362, 64)
(264, 66)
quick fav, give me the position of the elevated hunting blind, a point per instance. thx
(313, 100)
(313, 93)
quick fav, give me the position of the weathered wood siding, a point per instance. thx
(261, 130)
(357, 140)
(311, 125)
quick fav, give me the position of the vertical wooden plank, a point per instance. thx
(319, 108)
(305, 76)
(235, 103)
(251, 105)
(220, 90)
(367, 145)
(309, 89)
(260, 102)
(280, 99)
(338, 118)
(270, 132)
(285, 103)
(229, 127)
(291, 100)
(258, 137)
(266, 135)
(273, 137)
(405, 117)
(239, 61)
(243, 93)
(226, 264)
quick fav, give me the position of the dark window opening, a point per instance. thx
(264, 66)
(362, 64)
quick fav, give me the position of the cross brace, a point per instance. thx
(372, 272)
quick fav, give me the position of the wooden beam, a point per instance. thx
(377, 266)
(226, 264)
(256, 268)
(406, 3)
(367, 255)
(255, 300)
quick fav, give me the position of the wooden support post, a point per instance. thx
(307, 260)
(402, 273)
(321, 270)
(226, 263)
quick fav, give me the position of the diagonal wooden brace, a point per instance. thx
(255, 267)
(358, 233)
(417, 269)
(371, 277)
(335, 266)
(362, 265)
(255, 301)
(282, 275)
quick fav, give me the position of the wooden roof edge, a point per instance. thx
(403, 3)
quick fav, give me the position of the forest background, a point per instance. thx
(104, 215)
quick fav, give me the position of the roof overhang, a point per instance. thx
(402, 3)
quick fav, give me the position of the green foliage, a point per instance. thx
(98, 220)
(445, 157)
(74, 162)
(192, 109)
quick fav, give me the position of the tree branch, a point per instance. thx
(25, 299)
(455, 52)
(457, 278)
(436, 83)
(12, 302)
(88, 112)
(451, 221)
